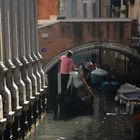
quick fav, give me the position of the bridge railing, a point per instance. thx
(135, 41)
(135, 34)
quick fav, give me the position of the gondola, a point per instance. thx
(76, 99)
(129, 96)
(109, 85)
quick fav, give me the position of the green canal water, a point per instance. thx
(114, 125)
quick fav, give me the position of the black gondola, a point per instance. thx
(129, 95)
(76, 99)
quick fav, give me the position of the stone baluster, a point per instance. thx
(22, 50)
(9, 35)
(7, 60)
(5, 74)
(24, 67)
(33, 45)
(2, 69)
(31, 75)
(17, 35)
(6, 95)
(28, 48)
(36, 57)
(37, 51)
(42, 101)
(2, 120)
(17, 73)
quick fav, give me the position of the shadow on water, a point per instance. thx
(94, 125)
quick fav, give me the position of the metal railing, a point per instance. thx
(135, 41)
(135, 34)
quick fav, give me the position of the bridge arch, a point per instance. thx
(127, 51)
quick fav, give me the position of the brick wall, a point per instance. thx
(66, 35)
(47, 8)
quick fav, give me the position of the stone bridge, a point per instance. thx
(78, 35)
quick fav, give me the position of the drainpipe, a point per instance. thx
(100, 8)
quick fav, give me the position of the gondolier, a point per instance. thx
(66, 65)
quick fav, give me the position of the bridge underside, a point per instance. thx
(124, 50)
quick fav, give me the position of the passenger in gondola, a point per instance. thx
(87, 69)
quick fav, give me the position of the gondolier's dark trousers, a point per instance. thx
(64, 82)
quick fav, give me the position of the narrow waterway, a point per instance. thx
(114, 124)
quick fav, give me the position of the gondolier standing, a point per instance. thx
(66, 65)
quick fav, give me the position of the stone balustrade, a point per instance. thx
(22, 78)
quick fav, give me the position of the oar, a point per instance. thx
(89, 90)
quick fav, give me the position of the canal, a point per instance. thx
(108, 121)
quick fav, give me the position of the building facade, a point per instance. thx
(88, 9)
(80, 8)
(105, 8)
(47, 9)
(134, 12)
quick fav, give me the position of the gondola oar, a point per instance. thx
(90, 90)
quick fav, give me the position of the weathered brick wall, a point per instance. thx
(47, 8)
(66, 35)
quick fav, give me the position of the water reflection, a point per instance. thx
(114, 125)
